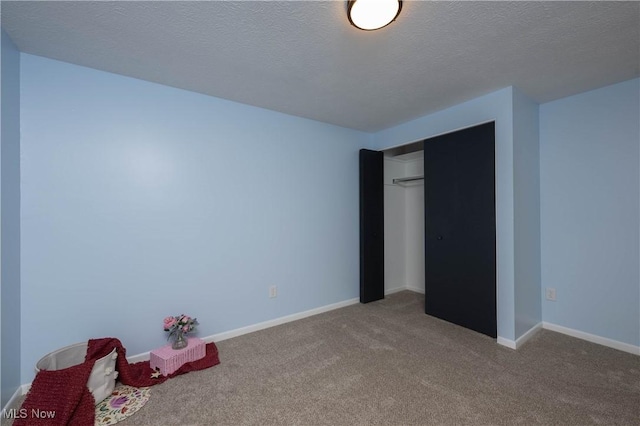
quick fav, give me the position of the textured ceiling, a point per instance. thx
(303, 57)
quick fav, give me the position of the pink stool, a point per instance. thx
(168, 360)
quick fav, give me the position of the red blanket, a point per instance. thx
(64, 393)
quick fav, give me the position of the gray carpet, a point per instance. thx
(388, 363)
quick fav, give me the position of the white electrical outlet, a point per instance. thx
(273, 291)
(551, 293)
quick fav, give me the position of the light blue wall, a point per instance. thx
(590, 186)
(10, 220)
(141, 201)
(496, 106)
(526, 179)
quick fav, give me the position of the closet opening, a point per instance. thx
(404, 218)
(428, 224)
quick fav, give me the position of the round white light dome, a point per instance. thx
(373, 14)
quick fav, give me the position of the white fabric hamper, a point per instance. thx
(103, 375)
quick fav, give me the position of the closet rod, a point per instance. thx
(407, 179)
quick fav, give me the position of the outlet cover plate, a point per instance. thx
(550, 293)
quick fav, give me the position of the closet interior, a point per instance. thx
(404, 243)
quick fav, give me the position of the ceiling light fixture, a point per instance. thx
(373, 14)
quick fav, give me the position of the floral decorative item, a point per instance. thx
(122, 403)
(177, 327)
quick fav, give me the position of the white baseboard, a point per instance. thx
(515, 344)
(414, 289)
(528, 335)
(511, 344)
(615, 344)
(403, 288)
(145, 356)
(625, 347)
(278, 321)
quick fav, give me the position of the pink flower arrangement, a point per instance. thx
(180, 324)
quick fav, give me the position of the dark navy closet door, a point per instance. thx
(371, 226)
(460, 228)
